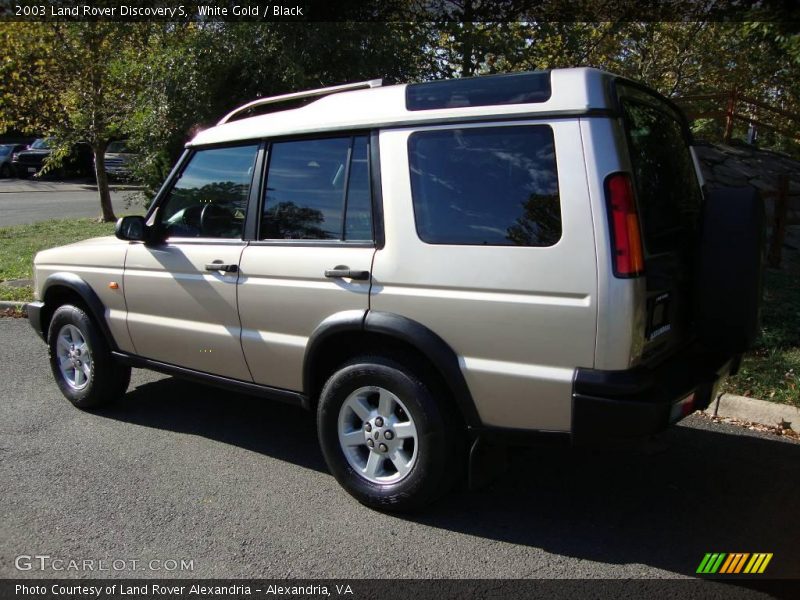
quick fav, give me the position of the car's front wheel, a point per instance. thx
(81, 360)
(389, 439)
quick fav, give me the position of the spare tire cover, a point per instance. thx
(729, 275)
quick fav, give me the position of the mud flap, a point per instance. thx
(487, 461)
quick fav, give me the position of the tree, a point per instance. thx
(193, 73)
(69, 80)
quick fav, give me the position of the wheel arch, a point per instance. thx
(350, 333)
(65, 288)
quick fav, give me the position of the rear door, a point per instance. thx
(313, 253)
(668, 199)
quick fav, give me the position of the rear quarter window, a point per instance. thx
(495, 186)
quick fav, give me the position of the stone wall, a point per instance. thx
(741, 165)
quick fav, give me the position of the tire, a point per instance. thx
(430, 450)
(729, 275)
(5, 171)
(72, 336)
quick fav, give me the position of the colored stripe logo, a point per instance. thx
(734, 563)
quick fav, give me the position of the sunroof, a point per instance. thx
(512, 88)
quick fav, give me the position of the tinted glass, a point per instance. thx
(210, 198)
(358, 221)
(306, 186)
(516, 88)
(666, 183)
(493, 186)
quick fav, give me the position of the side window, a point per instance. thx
(495, 186)
(210, 197)
(318, 190)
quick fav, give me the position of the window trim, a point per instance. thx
(486, 125)
(256, 240)
(177, 172)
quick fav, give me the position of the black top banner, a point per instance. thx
(401, 10)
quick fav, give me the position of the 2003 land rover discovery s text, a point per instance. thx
(433, 268)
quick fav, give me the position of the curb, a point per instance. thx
(755, 411)
(6, 304)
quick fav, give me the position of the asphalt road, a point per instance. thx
(238, 485)
(24, 201)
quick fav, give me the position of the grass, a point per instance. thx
(19, 244)
(771, 371)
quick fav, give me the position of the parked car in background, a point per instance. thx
(31, 160)
(118, 157)
(6, 152)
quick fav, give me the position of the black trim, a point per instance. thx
(253, 215)
(348, 320)
(87, 294)
(377, 190)
(235, 385)
(435, 349)
(638, 402)
(34, 310)
(346, 190)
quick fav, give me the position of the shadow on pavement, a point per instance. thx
(271, 428)
(695, 490)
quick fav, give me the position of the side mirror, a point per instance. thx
(131, 228)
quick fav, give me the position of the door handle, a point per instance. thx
(342, 272)
(219, 266)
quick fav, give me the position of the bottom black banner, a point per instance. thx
(395, 589)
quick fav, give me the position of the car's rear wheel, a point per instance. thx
(81, 360)
(389, 439)
(5, 171)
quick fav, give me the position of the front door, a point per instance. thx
(181, 294)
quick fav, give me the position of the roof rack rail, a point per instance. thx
(298, 95)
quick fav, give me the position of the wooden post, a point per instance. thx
(779, 223)
(729, 112)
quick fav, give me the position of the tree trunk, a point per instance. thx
(107, 211)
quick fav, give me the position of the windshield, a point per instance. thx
(118, 147)
(42, 144)
(4, 150)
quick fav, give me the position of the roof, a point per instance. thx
(573, 91)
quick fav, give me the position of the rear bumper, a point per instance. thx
(34, 310)
(643, 401)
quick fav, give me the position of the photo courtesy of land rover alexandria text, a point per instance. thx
(436, 269)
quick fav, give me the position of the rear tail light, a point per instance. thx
(626, 241)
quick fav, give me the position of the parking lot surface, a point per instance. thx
(25, 201)
(238, 486)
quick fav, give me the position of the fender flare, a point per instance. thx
(415, 334)
(89, 297)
